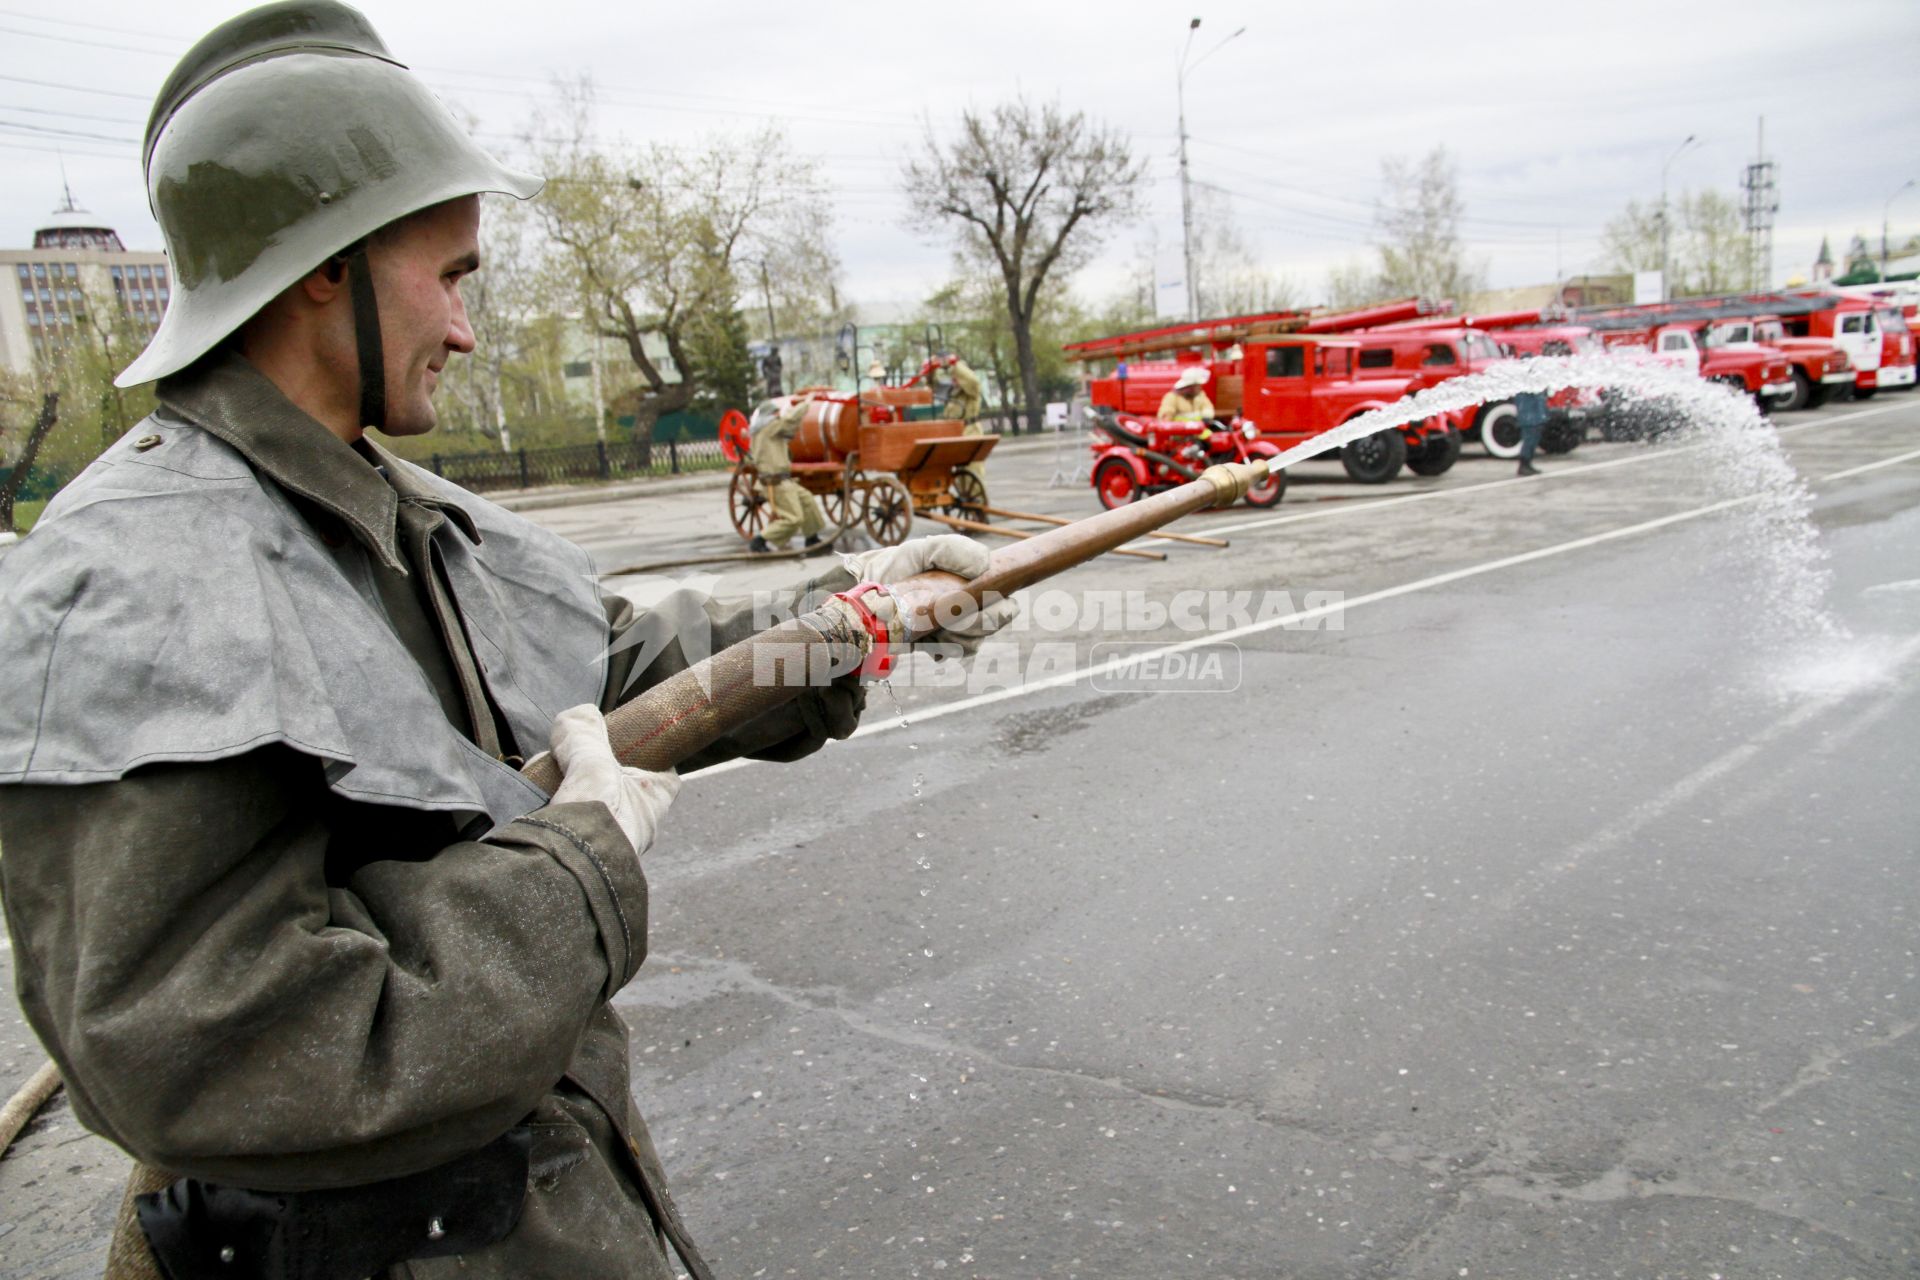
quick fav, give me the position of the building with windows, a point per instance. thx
(75, 264)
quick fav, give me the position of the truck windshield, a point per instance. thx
(1893, 322)
(1335, 362)
(1723, 335)
(1481, 347)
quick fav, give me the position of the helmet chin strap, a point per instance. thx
(366, 336)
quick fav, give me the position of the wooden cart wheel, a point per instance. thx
(840, 506)
(969, 493)
(889, 512)
(746, 504)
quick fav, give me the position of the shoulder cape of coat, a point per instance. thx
(173, 605)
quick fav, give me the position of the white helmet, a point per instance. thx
(1194, 375)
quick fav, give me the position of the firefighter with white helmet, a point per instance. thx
(1188, 401)
(298, 932)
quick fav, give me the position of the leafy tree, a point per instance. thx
(1708, 251)
(64, 410)
(1027, 192)
(649, 241)
(1631, 241)
(1715, 252)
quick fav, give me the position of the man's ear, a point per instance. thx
(325, 283)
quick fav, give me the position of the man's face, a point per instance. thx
(418, 265)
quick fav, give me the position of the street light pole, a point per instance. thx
(1886, 212)
(1666, 219)
(1186, 190)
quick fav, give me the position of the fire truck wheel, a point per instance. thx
(1441, 453)
(1113, 481)
(1802, 395)
(1562, 437)
(1375, 459)
(1269, 492)
(1500, 430)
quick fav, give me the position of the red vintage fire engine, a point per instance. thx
(1824, 337)
(1433, 351)
(1265, 369)
(1897, 357)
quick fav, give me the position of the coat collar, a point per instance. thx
(362, 485)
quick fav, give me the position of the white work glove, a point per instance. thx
(951, 552)
(636, 798)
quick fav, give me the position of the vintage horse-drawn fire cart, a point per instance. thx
(868, 464)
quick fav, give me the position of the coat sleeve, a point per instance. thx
(673, 633)
(247, 978)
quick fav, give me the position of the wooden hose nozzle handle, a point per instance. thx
(680, 715)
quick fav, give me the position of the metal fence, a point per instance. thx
(575, 463)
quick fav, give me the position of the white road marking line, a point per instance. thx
(1636, 819)
(1557, 472)
(1066, 678)
(1872, 466)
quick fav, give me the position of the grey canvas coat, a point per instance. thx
(283, 910)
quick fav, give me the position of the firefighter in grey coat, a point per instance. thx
(297, 931)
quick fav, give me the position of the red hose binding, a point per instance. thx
(879, 662)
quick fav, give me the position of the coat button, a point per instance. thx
(146, 442)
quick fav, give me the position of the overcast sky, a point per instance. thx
(1557, 115)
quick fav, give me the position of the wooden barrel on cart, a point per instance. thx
(830, 431)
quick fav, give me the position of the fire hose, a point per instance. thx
(685, 712)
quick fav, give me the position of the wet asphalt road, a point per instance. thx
(1550, 918)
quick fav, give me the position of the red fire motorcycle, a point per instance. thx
(1133, 456)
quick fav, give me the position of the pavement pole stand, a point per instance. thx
(21, 1106)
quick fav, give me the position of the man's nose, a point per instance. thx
(459, 328)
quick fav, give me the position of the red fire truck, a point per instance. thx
(1266, 370)
(1433, 351)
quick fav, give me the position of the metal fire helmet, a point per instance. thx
(285, 137)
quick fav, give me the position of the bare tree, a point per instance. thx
(1353, 284)
(1027, 190)
(1232, 281)
(1419, 216)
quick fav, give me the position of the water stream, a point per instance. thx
(1728, 449)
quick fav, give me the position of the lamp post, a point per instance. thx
(1186, 192)
(1666, 219)
(1886, 211)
